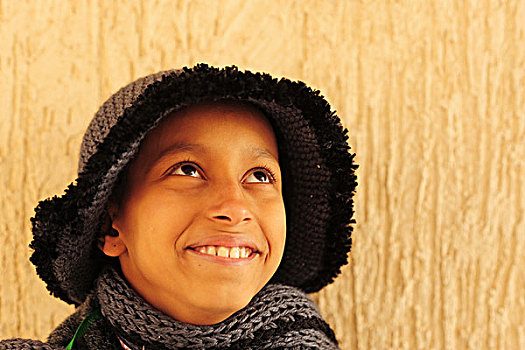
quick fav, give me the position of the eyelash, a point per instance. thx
(265, 167)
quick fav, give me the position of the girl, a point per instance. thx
(208, 202)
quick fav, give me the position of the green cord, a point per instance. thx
(84, 326)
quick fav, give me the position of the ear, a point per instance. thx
(112, 244)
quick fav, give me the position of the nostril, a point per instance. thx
(232, 217)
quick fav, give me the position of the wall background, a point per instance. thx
(433, 94)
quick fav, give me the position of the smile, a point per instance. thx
(225, 252)
(225, 255)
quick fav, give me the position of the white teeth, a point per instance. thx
(222, 251)
(244, 252)
(225, 252)
(234, 252)
(210, 250)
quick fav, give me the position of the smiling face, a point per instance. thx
(201, 221)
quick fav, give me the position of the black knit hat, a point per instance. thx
(318, 175)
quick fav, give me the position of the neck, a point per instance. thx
(199, 311)
(276, 314)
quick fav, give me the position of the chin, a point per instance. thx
(228, 298)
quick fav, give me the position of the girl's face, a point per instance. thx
(202, 222)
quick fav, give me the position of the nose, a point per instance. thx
(230, 207)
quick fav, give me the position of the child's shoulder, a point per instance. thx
(58, 339)
(26, 344)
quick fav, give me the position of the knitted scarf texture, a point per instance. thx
(278, 317)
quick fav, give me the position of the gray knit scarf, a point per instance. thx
(278, 317)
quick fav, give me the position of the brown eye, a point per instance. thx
(185, 169)
(260, 176)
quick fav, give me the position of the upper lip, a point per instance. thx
(226, 241)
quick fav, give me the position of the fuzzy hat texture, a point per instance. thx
(318, 175)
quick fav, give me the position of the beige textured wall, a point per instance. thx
(433, 93)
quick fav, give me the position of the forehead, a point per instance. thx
(196, 120)
(208, 125)
(234, 114)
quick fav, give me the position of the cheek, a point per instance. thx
(275, 223)
(155, 219)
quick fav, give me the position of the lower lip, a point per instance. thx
(223, 260)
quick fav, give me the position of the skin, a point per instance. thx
(221, 192)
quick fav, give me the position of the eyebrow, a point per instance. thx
(252, 151)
